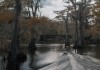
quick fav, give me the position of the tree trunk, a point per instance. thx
(32, 49)
(29, 15)
(12, 57)
(67, 39)
(36, 8)
(81, 25)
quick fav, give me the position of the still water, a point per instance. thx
(44, 56)
(47, 54)
(52, 55)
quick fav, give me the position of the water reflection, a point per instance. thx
(90, 50)
(97, 50)
(2, 64)
(25, 65)
(45, 55)
(48, 54)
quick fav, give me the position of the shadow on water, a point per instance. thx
(44, 56)
(90, 50)
(97, 55)
(47, 54)
(44, 49)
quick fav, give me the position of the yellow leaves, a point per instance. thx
(6, 17)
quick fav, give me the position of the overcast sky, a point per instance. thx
(50, 6)
(53, 5)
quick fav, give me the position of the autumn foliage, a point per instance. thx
(6, 17)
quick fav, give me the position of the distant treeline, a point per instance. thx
(52, 39)
(61, 39)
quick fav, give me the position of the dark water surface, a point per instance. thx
(48, 54)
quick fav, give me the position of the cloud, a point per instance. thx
(53, 5)
(50, 6)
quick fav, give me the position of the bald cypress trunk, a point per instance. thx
(67, 39)
(12, 57)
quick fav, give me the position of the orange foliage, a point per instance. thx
(6, 17)
(37, 21)
(27, 25)
(97, 13)
(98, 6)
(96, 9)
(94, 29)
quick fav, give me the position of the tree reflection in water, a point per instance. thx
(47, 55)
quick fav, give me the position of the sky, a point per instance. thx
(50, 6)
